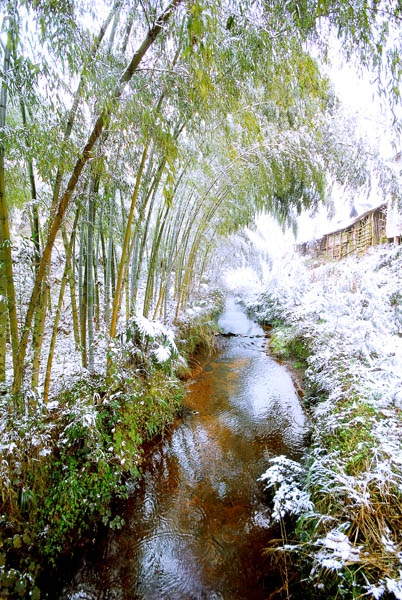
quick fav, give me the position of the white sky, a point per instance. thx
(358, 93)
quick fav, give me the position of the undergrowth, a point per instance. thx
(63, 464)
(197, 334)
(61, 469)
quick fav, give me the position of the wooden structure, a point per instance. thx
(369, 229)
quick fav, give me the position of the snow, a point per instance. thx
(350, 311)
(389, 544)
(284, 476)
(395, 587)
(162, 353)
(152, 329)
(375, 591)
(339, 544)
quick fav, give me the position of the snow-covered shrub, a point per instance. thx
(61, 467)
(284, 480)
(143, 346)
(158, 340)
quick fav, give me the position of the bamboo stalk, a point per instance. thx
(54, 336)
(6, 266)
(109, 261)
(3, 314)
(69, 247)
(71, 280)
(116, 301)
(37, 336)
(73, 111)
(102, 121)
(84, 315)
(153, 261)
(94, 187)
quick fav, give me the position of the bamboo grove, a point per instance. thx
(135, 136)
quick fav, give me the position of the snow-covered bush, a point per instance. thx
(157, 340)
(144, 345)
(61, 467)
(284, 479)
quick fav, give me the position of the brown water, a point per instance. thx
(198, 522)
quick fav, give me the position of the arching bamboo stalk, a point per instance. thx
(93, 190)
(59, 307)
(116, 301)
(71, 281)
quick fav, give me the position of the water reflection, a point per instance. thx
(197, 524)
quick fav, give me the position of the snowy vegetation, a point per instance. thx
(343, 320)
(133, 137)
(63, 464)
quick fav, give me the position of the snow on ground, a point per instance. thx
(350, 312)
(67, 361)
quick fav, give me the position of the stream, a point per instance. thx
(196, 525)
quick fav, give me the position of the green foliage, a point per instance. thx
(197, 335)
(368, 33)
(260, 131)
(286, 342)
(88, 447)
(18, 191)
(352, 442)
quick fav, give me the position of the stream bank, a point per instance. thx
(344, 321)
(64, 466)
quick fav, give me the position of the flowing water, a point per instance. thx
(198, 521)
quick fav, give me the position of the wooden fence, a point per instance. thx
(369, 229)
